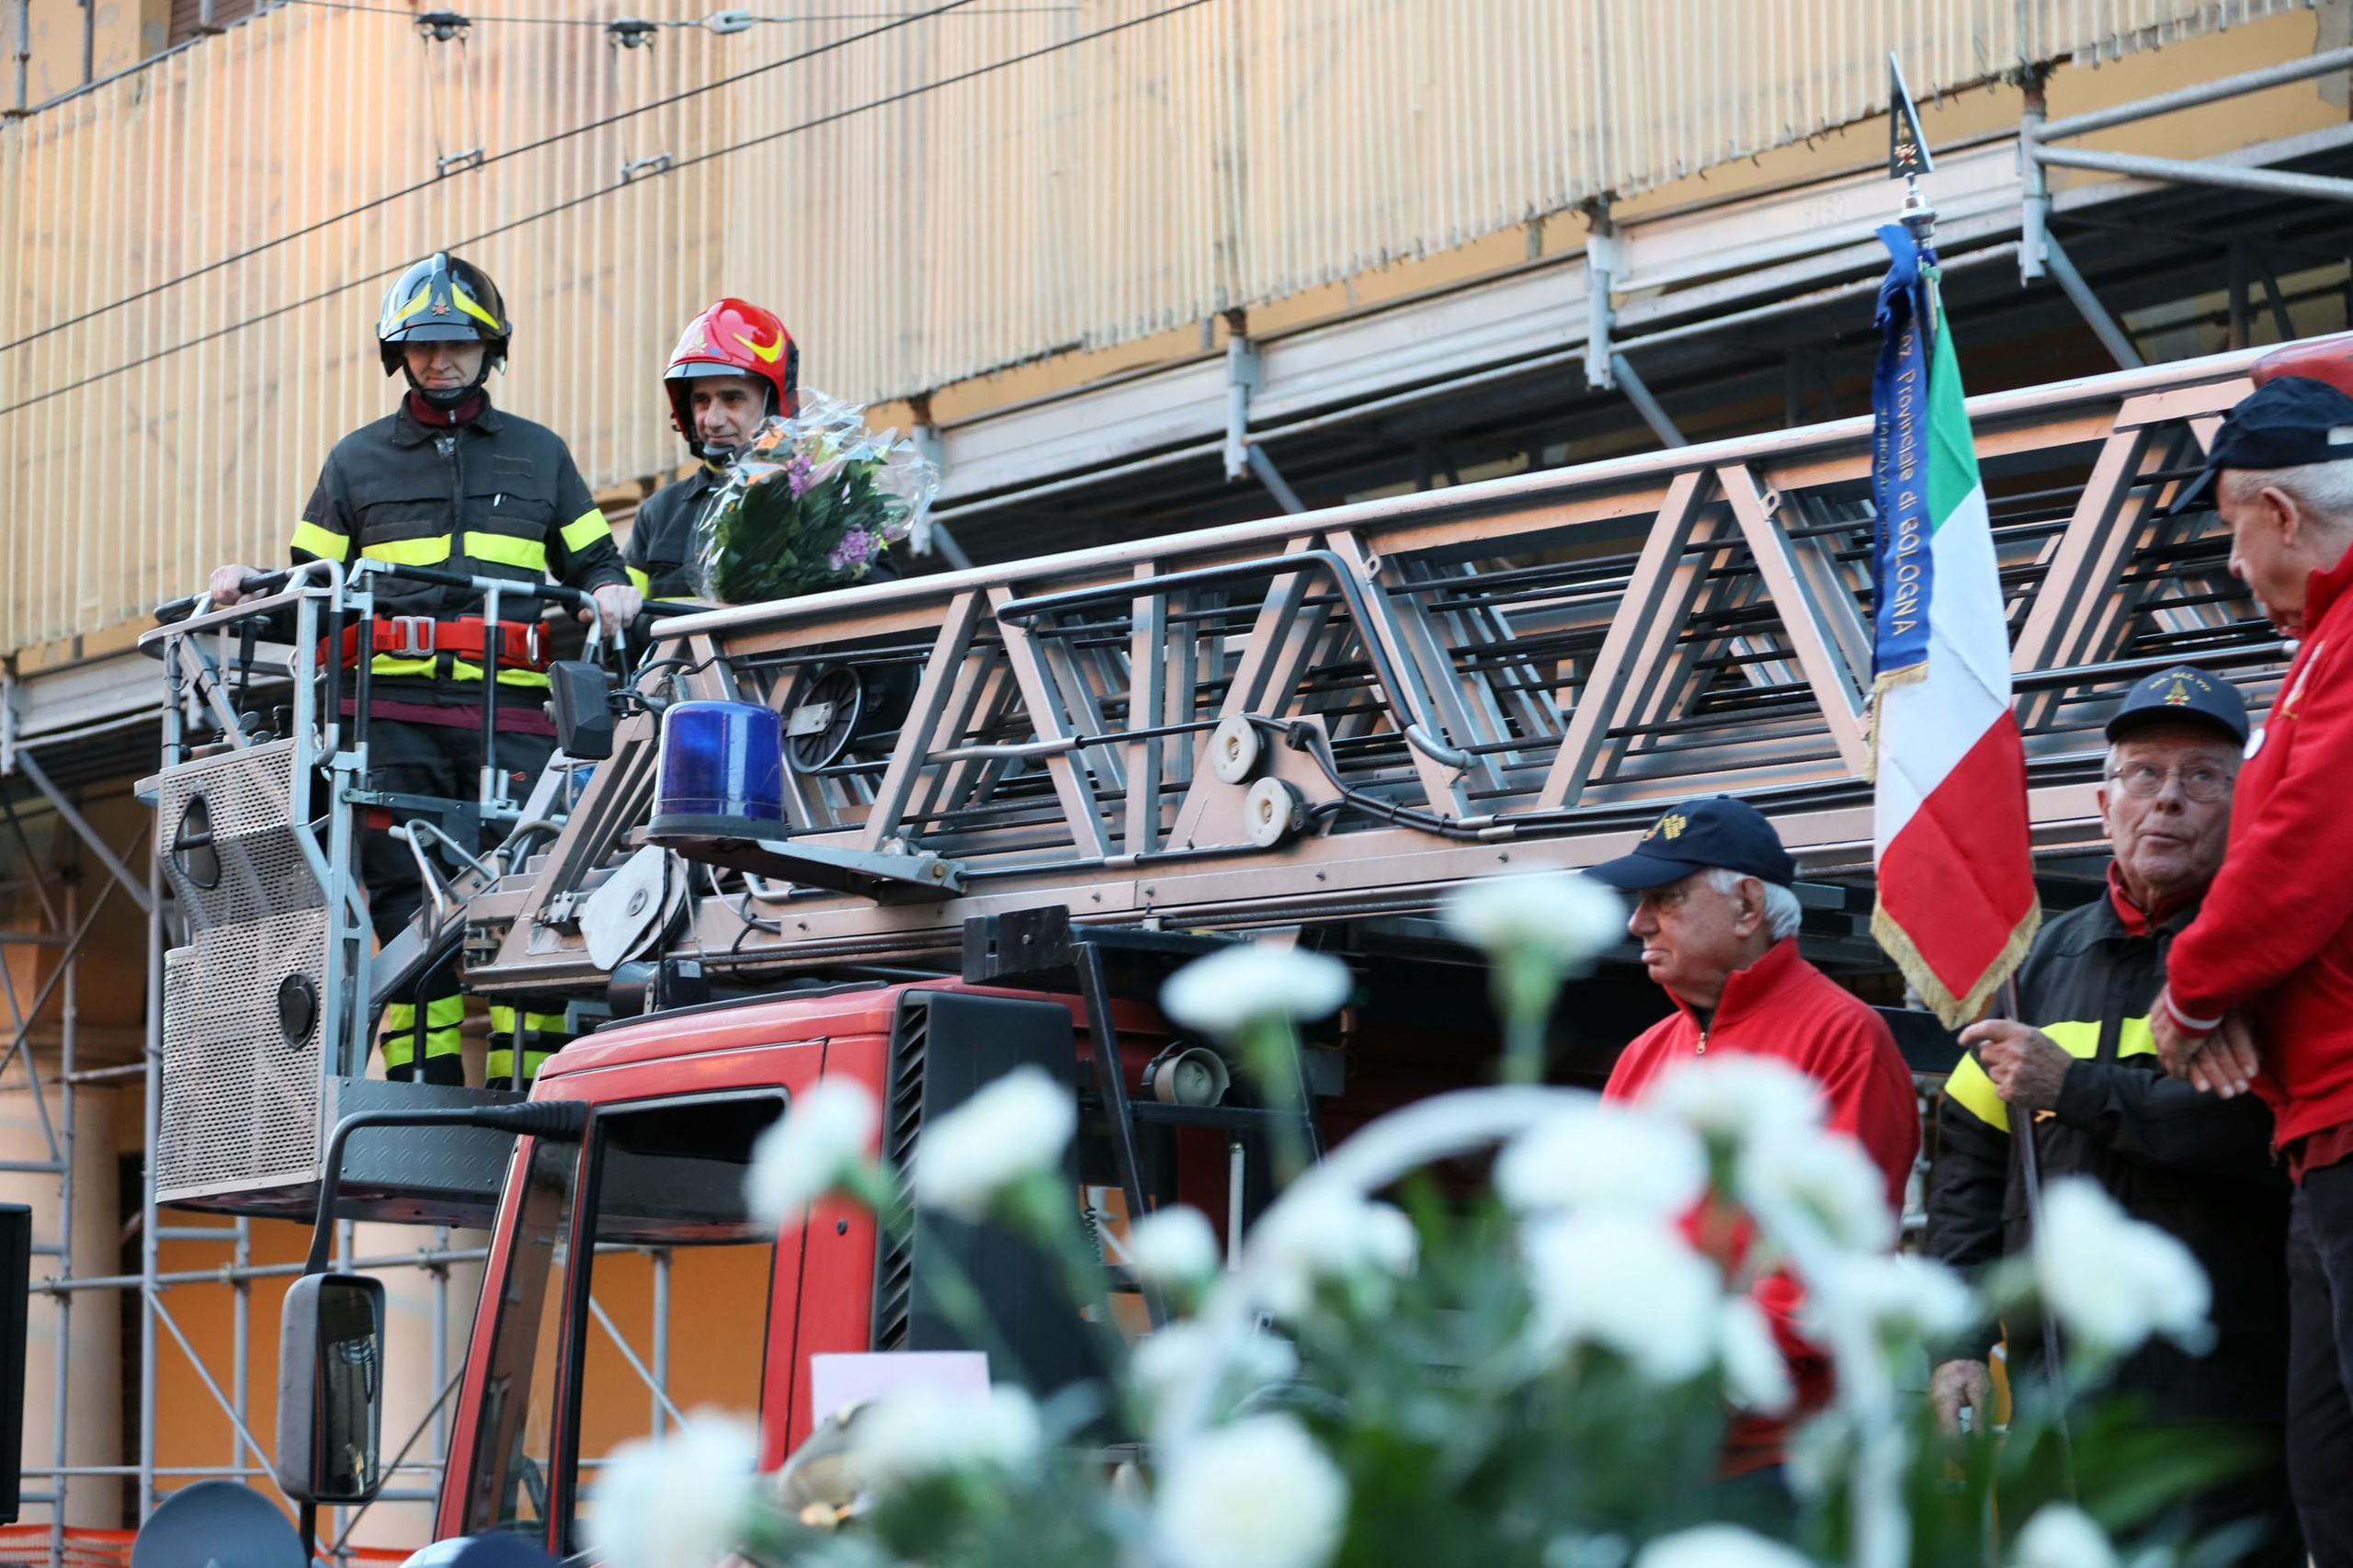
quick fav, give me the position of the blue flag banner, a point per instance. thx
(1902, 570)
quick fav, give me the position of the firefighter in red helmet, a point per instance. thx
(734, 366)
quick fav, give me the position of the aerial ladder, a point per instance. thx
(1310, 727)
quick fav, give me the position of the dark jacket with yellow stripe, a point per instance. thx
(2198, 1168)
(495, 496)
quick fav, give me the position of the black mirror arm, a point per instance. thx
(562, 1119)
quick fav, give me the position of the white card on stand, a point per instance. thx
(839, 1380)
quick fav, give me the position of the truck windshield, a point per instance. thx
(668, 1314)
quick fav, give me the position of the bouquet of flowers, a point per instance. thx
(811, 503)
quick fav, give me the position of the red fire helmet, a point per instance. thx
(732, 338)
(2327, 359)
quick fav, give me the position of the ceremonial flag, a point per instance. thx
(1957, 907)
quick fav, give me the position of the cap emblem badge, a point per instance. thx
(1672, 825)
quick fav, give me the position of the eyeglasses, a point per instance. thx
(2201, 781)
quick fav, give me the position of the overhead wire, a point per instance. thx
(552, 139)
(744, 19)
(602, 192)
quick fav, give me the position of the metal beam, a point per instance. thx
(2106, 327)
(1639, 394)
(134, 885)
(2183, 171)
(2222, 87)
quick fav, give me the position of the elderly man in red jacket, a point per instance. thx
(2259, 988)
(1718, 919)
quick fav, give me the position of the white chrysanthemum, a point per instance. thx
(1569, 919)
(827, 1130)
(1756, 1375)
(1174, 1247)
(1628, 1284)
(1899, 1291)
(1735, 1096)
(1719, 1546)
(679, 1504)
(1249, 983)
(1825, 1174)
(1178, 1355)
(2062, 1536)
(1258, 1493)
(1316, 1235)
(1015, 1126)
(2111, 1279)
(926, 1432)
(1605, 1155)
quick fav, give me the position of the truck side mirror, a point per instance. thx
(15, 1297)
(331, 1389)
(580, 701)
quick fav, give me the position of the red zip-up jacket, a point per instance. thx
(2274, 934)
(1781, 1005)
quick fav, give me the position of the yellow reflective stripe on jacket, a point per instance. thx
(325, 544)
(386, 664)
(1970, 1089)
(508, 550)
(2079, 1038)
(409, 552)
(586, 529)
(641, 582)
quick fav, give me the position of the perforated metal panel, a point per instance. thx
(241, 1099)
(227, 844)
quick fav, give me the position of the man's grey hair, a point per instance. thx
(1783, 914)
(2325, 490)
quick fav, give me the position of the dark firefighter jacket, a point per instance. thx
(2191, 1165)
(495, 496)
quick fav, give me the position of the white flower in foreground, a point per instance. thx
(926, 1432)
(1717, 1546)
(1605, 1155)
(1901, 1292)
(2062, 1536)
(1249, 983)
(1258, 1493)
(2113, 1280)
(1756, 1375)
(1180, 1355)
(1174, 1247)
(1825, 1174)
(1734, 1096)
(681, 1504)
(824, 1132)
(1628, 1284)
(1565, 918)
(1327, 1235)
(1014, 1127)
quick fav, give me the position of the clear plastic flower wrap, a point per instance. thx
(811, 503)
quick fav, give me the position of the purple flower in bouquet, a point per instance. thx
(853, 550)
(799, 473)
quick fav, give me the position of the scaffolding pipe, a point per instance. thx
(154, 1135)
(2106, 327)
(2183, 171)
(2202, 93)
(661, 1260)
(69, 1020)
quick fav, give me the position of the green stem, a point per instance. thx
(1525, 982)
(1272, 1051)
(1039, 1206)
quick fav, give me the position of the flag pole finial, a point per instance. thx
(1907, 155)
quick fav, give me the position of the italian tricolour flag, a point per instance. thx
(1957, 905)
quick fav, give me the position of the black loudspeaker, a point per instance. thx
(945, 1046)
(16, 1295)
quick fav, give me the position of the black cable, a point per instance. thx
(567, 205)
(390, 197)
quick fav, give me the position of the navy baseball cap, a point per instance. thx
(1694, 835)
(2181, 693)
(2282, 424)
